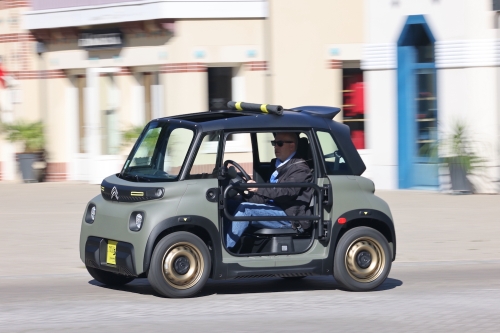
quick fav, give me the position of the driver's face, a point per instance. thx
(287, 149)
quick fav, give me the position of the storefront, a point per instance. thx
(426, 71)
(105, 67)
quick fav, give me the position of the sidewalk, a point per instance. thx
(40, 226)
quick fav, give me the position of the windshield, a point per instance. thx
(159, 154)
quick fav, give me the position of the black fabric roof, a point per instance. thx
(253, 120)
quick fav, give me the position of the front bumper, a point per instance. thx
(95, 256)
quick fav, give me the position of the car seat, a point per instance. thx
(304, 152)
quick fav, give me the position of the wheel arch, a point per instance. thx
(197, 225)
(357, 218)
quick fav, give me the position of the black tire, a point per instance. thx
(109, 278)
(187, 261)
(362, 259)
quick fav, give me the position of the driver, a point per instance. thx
(277, 201)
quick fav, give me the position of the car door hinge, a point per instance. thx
(324, 230)
(327, 195)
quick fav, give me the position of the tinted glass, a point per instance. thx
(332, 155)
(160, 154)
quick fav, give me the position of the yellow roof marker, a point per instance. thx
(264, 108)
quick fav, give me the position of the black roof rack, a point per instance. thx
(265, 108)
(328, 112)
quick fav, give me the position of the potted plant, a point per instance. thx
(460, 154)
(32, 158)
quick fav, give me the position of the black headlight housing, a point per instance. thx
(90, 213)
(136, 220)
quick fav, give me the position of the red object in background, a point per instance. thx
(2, 76)
(358, 98)
(354, 96)
(358, 138)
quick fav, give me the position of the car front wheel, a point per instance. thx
(362, 259)
(180, 265)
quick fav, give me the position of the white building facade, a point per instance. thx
(97, 68)
(428, 65)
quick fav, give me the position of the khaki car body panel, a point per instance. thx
(112, 218)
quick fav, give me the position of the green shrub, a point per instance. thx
(30, 134)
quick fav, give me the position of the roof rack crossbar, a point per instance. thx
(265, 108)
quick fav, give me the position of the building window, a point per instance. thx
(353, 104)
(110, 135)
(225, 84)
(219, 87)
(81, 83)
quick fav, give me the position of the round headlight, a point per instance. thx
(159, 192)
(92, 213)
(138, 221)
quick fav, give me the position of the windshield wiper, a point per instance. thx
(142, 178)
(136, 178)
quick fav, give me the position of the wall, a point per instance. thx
(301, 36)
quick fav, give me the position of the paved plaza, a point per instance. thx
(445, 278)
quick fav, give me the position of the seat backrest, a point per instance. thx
(304, 151)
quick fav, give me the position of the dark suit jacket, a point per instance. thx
(294, 200)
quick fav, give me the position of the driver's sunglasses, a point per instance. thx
(279, 143)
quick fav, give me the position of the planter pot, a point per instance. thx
(27, 163)
(459, 181)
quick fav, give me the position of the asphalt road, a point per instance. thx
(446, 277)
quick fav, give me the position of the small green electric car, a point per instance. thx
(166, 214)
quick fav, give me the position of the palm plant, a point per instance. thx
(461, 149)
(30, 134)
(459, 152)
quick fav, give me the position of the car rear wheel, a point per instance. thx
(180, 265)
(362, 259)
(109, 278)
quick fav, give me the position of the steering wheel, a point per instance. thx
(237, 178)
(245, 177)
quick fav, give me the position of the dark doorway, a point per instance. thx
(219, 87)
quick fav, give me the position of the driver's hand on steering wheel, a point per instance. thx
(252, 189)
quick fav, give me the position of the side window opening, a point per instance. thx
(242, 154)
(266, 153)
(205, 163)
(334, 160)
(258, 239)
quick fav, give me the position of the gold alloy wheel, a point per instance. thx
(365, 259)
(183, 265)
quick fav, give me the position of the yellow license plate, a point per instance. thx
(111, 253)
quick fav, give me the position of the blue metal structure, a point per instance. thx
(416, 72)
